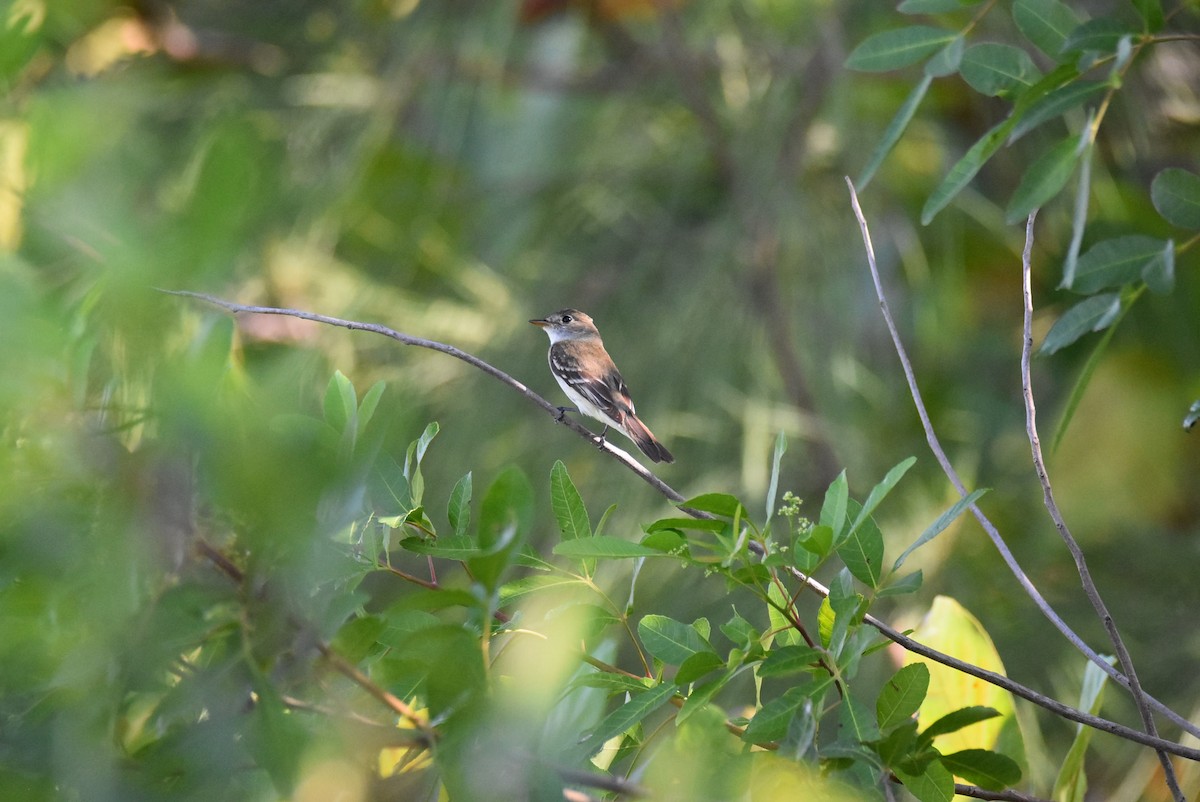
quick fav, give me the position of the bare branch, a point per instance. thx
(904, 641)
(988, 527)
(1039, 464)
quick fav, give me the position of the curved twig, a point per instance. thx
(1039, 464)
(670, 493)
(988, 527)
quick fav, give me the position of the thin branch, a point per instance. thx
(339, 663)
(894, 635)
(1039, 464)
(988, 527)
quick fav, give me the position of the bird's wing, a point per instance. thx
(607, 391)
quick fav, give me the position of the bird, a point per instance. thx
(589, 377)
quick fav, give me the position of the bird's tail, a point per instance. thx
(644, 439)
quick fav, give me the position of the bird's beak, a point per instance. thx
(541, 323)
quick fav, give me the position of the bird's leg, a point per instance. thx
(563, 411)
(600, 438)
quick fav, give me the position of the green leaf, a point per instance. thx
(458, 510)
(1151, 13)
(1115, 262)
(966, 168)
(448, 548)
(1054, 104)
(933, 6)
(862, 552)
(1044, 179)
(771, 721)
(989, 770)
(897, 48)
(1159, 273)
(902, 696)
(946, 61)
(934, 784)
(1071, 783)
(1176, 196)
(721, 504)
(773, 487)
(1045, 23)
(819, 540)
(895, 129)
(833, 510)
(604, 547)
(686, 524)
(1092, 314)
(669, 640)
(938, 526)
(956, 720)
(1100, 35)
(857, 721)
(277, 739)
(505, 516)
(1089, 370)
(898, 587)
(366, 410)
(341, 403)
(880, 491)
(626, 717)
(996, 69)
(412, 461)
(568, 504)
(785, 660)
(696, 666)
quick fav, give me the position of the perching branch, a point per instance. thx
(988, 527)
(908, 643)
(1039, 464)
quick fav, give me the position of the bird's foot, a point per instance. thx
(562, 411)
(600, 441)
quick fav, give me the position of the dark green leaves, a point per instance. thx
(996, 69)
(1176, 196)
(1045, 23)
(897, 48)
(1044, 179)
(669, 640)
(1115, 262)
(901, 696)
(1087, 316)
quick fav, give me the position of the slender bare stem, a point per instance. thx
(908, 643)
(988, 527)
(1039, 464)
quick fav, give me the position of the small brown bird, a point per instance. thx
(588, 376)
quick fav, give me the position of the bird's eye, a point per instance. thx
(566, 318)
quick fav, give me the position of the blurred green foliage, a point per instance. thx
(452, 170)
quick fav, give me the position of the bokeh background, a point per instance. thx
(452, 169)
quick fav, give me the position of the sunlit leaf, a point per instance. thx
(773, 487)
(833, 510)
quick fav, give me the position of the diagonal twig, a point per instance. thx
(908, 643)
(1039, 464)
(988, 527)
